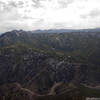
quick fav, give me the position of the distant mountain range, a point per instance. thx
(66, 30)
(63, 30)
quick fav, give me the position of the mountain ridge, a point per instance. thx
(58, 30)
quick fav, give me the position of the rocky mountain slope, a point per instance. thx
(37, 66)
(81, 46)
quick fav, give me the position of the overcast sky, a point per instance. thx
(49, 14)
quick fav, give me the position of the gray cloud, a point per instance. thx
(7, 7)
(93, 13)
(37, 3)
(65, 3)
(3, 6)
(18, 4)
(12, 3)
(29, 14)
